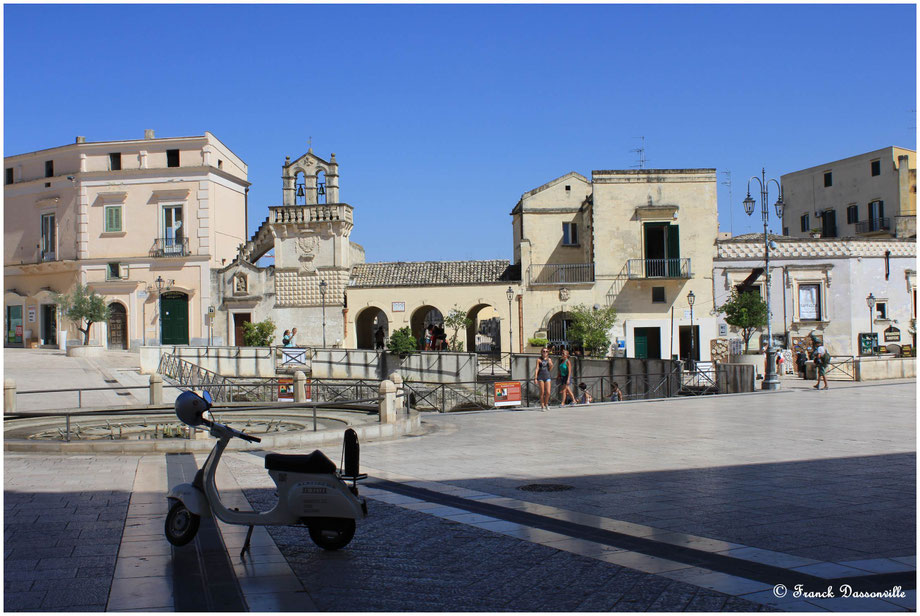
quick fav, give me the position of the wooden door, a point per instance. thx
(118, 326)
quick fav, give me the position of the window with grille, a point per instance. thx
(113, 220)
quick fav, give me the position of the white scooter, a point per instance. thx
(311, 491)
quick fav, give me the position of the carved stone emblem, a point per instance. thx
(563, 294)
(240, 284)
(307, 246)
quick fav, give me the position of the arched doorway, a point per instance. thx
(174, 318)
(557, 331)
(118, 326)
(422, 318)
(372, 328)
(484, 334)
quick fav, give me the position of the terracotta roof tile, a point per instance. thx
(431, 273)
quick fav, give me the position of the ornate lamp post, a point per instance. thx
(771, 380)
(322, 294)
(870, 301)
(564, 296)
(510, 295)
(161, 285)
(690, 299)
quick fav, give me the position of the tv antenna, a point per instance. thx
(641, 152)
(731, 218)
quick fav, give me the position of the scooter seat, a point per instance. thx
(315, 462)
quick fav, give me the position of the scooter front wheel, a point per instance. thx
(181, 524)
(332, 533)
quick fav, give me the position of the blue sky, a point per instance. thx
(442, 116)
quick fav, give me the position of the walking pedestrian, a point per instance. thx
(543, 378)
(286, 338)
(565, 377)
(822, 359)
(617, 394)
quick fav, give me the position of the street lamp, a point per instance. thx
(322, 294)
(162, 285)
(771, 379)
(510, 295)
(690, 299)
(870, 301)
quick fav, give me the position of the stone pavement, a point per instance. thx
(687, 504)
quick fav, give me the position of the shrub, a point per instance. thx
(402, 342)
(538, 342)
(259, 334)
(591, 328)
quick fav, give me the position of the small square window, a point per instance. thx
(658, 295)
(881, 310)
(9, 176)
(876, 166)
(805, 228)
(220, 164)
(172, 158)
(567, 188)
(115, 161)
(785, 230)
(113, 271)
(113, 221)
(852, 214)
(828, 180)
(49, 168)
(569, 234)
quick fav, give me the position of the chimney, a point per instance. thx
(81, 139)
(148, 134)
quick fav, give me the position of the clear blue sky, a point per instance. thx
(442, 116)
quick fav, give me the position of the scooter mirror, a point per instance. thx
(207, 398)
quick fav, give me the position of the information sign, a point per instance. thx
(507, 393)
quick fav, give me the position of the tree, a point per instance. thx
(83, 306)
(747, 311)
(456, 320)
(402, 342)
(259, 334)
(591, 328)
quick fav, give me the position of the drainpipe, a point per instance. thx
(520, 301)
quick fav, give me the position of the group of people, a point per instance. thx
(287, 339)
(544, 381)
(435, 338)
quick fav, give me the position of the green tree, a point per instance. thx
(746, 311)
(83, 307)
(402, 342)
(259, 334)
(591, 328)
(456, 320)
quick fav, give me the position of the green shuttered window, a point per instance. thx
(113, 223)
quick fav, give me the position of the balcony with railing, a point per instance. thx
(556, 273)
(873, 224)
(170, 247)
(302, 214)
(658, 268)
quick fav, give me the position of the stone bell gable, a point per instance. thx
(310, 179)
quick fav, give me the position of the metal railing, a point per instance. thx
(170, 247)
(841, 368)
(873, 224)
(569, 273)
(222, 388)
(658, 268)
(493, 363)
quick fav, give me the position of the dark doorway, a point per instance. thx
(372, 328)
(647, 342)
(829, 224)
(14, 325)
(49, 324)
(684, 335)
(174, 318)
(557, 331)
(238, 319)
(118, 326)
(662, 250)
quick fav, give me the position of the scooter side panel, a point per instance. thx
(193, 499)
(317, 495)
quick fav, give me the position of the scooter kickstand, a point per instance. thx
(246, 543)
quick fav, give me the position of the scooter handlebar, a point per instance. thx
(227, 429)
(246, 437)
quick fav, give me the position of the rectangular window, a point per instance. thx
(49, 168)
(9, 176)
(810, 302)
(658, 295)
(113, 222)
(881, 310)
(569, 234)
(876, 166)
(876, 210)
(852, 215)
(172, 158)
(113, 271)
(828, 180)
(220, 164)
(805, 228)
(785, 230)
(49, 241)
(115, 161)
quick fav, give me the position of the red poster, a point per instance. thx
(507, 393)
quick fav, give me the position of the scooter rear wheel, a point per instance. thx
(332, 533)
(181, 524)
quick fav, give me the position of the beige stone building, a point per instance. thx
(870, 195)
(121, 216)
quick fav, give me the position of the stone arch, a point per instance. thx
(367, 323)
(300, 185)
(421, 318)
(117, 325)
(557, 327)
(320, 180)
(487, 322)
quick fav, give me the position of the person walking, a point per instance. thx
(286, 338)
(565, 377)
(291, 340)
(543, 378)
(617, 394)
(822, 359)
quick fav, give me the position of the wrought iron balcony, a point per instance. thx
(658, 268)
(170, 247)
(569, 273)
(873, 224)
